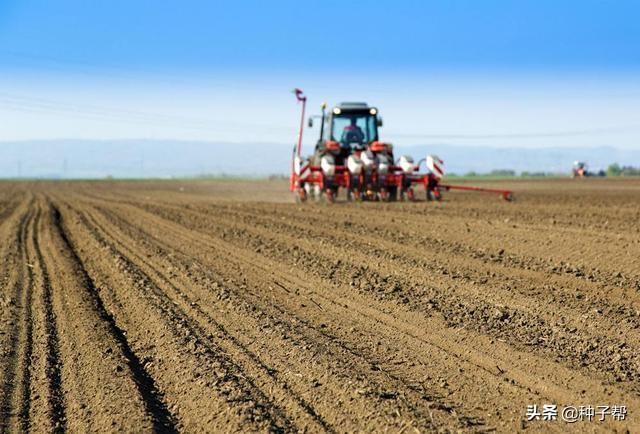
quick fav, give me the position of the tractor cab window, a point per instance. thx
(353, 130)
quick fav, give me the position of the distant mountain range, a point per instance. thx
(173, 158)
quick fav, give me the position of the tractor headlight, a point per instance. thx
(337, 111)
(373, 111)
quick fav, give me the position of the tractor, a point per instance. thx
(580, 170)
(350, 156)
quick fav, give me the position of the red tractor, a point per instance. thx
(350, 156)
(580, 170)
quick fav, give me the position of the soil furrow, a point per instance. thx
(205, 319)
(162, 419)
(23, 398)
(396, 247)
(205, 363)
(14, 402)
(42, 387)
(92, 387)
(255, 304)
(394, 230)
(53, 361)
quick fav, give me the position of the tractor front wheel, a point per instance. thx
(407, 194)
(392, 193)
(432, 195)
(383, 195)
(330, 195)
(300, 195)
(354, 195)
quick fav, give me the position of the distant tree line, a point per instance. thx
(506, 173)
(527, 174)
(613, 170)
(494, 173)
(616, 170)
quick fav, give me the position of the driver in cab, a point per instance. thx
(352, 134)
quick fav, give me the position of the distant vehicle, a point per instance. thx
(581, 170)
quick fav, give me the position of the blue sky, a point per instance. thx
(517, 73)
(235, 35)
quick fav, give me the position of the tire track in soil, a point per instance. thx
(24, 397)
(52, 347)
(153, 275)
(15, 402)
(162, 418)
(232, 379)
(89, 383)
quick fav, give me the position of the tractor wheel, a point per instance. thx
(330, 196)
(393, 194)
(410, 195)
(407, 194)
(314, 193)
(431, 195)
(383, 195)
(300, 195)
(354, 195)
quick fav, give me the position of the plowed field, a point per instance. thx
(222, 306)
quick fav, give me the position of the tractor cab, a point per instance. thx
(349, 126)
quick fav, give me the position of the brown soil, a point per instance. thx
(222, 306)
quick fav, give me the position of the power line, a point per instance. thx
(526, 135)
(40, 105)
(92, 69)
(58, 63)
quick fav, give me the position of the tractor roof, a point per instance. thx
(353, 106)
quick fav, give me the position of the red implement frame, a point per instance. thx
(506, 194)
(294, 179)
(314, 176)
(431, 181)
